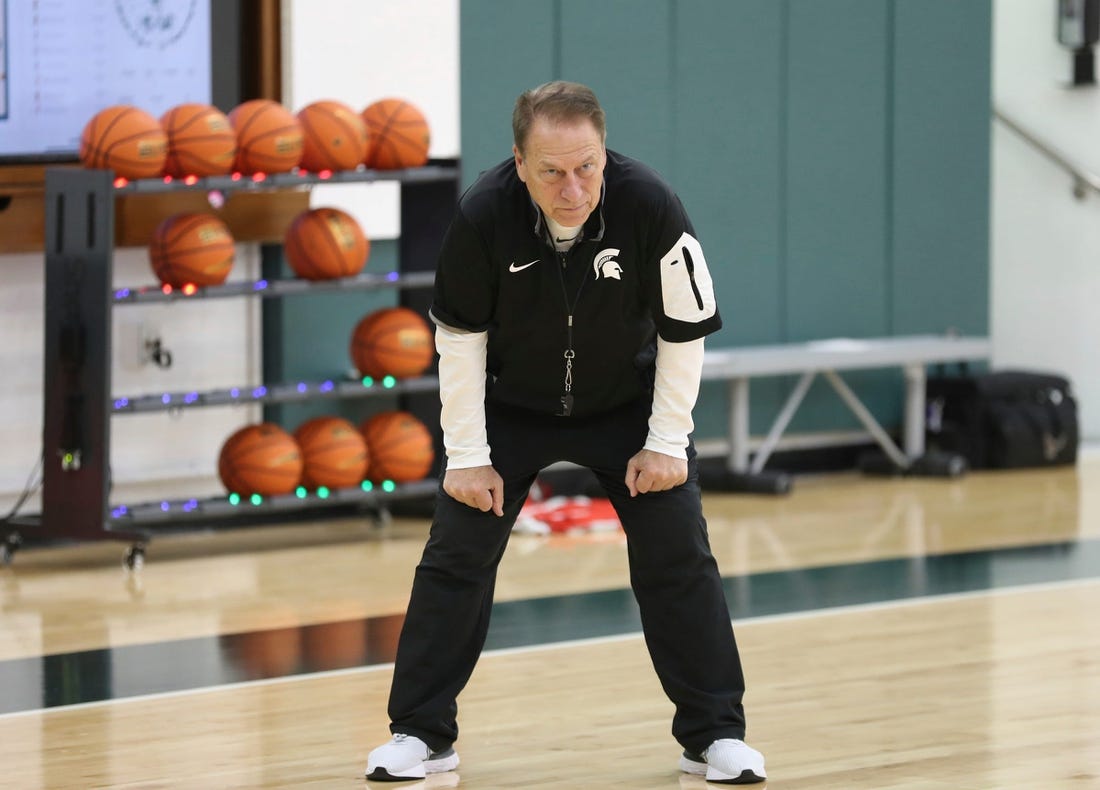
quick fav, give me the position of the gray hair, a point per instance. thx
(556, 101)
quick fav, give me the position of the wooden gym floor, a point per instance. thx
(902, 633)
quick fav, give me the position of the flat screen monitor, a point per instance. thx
(61, 61)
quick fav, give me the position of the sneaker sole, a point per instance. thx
(382, 775)
(747, 777)
(696, 767)
(441, 763)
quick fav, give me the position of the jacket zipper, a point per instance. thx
(690, 265)
(570, 354)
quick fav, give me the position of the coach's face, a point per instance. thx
(562, 166)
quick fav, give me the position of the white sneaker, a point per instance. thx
(408, 757)
(726, 761)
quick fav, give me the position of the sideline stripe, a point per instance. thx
(928, 600)
(137, 671)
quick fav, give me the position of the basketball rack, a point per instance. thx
(78, 404)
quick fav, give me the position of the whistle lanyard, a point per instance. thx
(570, 354)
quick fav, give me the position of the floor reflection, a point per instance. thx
(135, 670)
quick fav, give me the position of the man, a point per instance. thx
(571, 301)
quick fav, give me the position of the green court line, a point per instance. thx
(135, 670)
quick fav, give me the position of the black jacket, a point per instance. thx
(636, 271)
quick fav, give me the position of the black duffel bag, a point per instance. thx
(1003, 420)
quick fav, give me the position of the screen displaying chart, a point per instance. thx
(61, 61)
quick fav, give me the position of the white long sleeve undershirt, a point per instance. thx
(462, 394)
(679, 370)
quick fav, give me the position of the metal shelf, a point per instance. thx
(272, 288)
(175, 511)
(269, 394)
(80, 296)
(295, 178)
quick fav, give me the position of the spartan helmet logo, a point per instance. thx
(604, 265)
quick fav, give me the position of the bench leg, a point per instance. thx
(786, 414)
(869, 422)
(931, 464)
(914, 411)
(739, 426)
(738, 476)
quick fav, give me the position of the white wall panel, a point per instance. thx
(359, 51)
(21, 337)
(215, 343)
(1045, 277)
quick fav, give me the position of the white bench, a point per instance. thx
(826, 357)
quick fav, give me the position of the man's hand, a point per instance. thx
(652, 471)
(478, 486)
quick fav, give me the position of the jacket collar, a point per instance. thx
(593, 227)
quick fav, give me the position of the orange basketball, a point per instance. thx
(260, 459)
(201, 141)
(334, 136)
(324, 243)
(191, 248)
(334, 453)
(269, 137)
(399, 135)
(393, 341)
(126, 140)
(400, 447)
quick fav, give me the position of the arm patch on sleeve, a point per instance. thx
(687, 292)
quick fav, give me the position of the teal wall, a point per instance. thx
(833, 154)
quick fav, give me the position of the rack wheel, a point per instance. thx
(11, 544)
(134, 559)
(381, 518)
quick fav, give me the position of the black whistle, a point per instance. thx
(566, 406)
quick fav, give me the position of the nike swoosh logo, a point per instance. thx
(514, 268)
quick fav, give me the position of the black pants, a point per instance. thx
(672, 572)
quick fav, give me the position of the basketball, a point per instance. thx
(324, 243)
(334, 136)
(125, 139)
(195, 249)
(399, 135)
(393, 341)
(334, 453)
(201, 141)
(260, 459)
(399, 445)
(269, 137)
